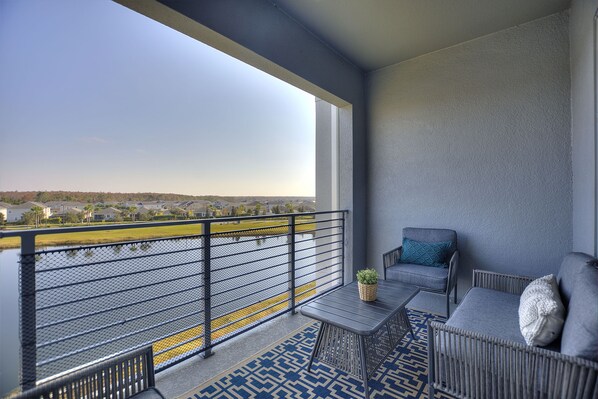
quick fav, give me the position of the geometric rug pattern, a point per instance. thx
(281, 371)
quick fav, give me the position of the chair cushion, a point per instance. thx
(430, 235)
(426, 253)
(433, 278)
(541, 312)
(580, 332)
(489, 312)
(572, 265)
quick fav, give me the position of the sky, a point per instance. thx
(96, 97)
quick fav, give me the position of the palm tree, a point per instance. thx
(38, 211)
(89, 208)
(132, 211)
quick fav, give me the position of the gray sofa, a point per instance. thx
(480, 352)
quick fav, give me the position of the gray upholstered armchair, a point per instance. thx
(434, 279)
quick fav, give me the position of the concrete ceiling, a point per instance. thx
(376, 33)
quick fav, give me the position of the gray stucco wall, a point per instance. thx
(476, 138)
(583, 140)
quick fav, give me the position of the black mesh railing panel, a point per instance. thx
(95, 301)
(319, 259)
(250, 278)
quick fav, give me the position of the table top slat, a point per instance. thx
(344, 309)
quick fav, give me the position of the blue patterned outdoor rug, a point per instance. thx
(281, 371)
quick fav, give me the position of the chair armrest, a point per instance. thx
(392, 257)
(452, 274)
(509, 283)
(463, 363)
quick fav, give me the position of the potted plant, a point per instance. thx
(367, 281)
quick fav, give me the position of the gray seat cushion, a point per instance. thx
(572, 266)
(489, 312)
(433, 278)
(580, 332)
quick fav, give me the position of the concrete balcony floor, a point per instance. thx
(193, 372)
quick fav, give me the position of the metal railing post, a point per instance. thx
(207, 281)
(343, 247)
(28, 332)
(292, 264)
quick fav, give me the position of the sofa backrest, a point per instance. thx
(580, 331)
(573, 264)
(430, 235)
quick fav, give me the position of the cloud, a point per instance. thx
(93, 140)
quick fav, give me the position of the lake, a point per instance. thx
(160, 285)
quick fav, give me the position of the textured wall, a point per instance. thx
(583, 141)
(476, 138)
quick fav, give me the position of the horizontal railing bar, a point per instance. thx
(317, 262)
(248, 252)
(245, 285)
(320, 254)
(319, 245)
(320, 237)
(316, 230)
(177, 332)
(65, 230)
(253, 261)
(311, 298)
(90, 314)
(90, 347)
(114, 324)
(95, 280)
(179, 359)
(318, 286)
(248, 273)
(319, 270)
(118, 244)
(179, 344)
(241, 331)
(246, 296)
(219, 234)
(249, 315)
(249, 239)
(325, 275)
(318, 221)
(118, 260)
(119, 292)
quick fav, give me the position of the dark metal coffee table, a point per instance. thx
(356, 336)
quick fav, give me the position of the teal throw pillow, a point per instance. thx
(426, 253)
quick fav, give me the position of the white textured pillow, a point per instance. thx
(541, 312)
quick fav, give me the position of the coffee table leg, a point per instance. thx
(407, 322)
(316, 346)
(364, 368)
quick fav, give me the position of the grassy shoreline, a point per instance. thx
(269, 227)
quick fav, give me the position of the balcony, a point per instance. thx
(489, 129)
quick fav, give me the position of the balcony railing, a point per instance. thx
(183, 294)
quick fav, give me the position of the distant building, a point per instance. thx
(73, 210)
(62, 207)
(15, 212)
(4, 210)
(106, 214)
